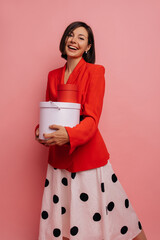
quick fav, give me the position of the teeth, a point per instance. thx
(72, 47)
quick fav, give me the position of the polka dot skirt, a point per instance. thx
(86, 205)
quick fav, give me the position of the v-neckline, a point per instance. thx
(73, 73)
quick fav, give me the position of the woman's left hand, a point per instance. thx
(58, 137)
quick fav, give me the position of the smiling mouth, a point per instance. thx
(72, 48)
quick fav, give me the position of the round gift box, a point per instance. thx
(59, 113)
(67, 93)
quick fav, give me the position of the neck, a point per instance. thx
(71, 64)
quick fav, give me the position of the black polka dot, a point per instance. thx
(63, 210)
(124, 229)
(55, 168)
(55, 199)
(114, 177)
(73, 175)
(110, 206)
(102, 187)
(84, 197)
(56, 232)
(139, 225)
(65, 181)
(74, 231)
(126, 203)
(96, 217)
(44, 214)
(46, 182)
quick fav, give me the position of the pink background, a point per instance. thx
(127, 43)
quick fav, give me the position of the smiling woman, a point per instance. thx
(83, 198)
(77, 43)
(76, 34)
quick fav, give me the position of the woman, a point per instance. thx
(83, 198)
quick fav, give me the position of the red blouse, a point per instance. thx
(86, 149)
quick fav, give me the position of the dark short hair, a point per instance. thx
(90, 56)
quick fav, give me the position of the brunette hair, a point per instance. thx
(90, 55)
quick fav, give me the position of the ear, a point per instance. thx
(89, 46)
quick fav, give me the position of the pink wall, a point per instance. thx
(127, 44)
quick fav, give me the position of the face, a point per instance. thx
(77, 43)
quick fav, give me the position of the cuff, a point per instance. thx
(72, 148)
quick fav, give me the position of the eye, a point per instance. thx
(70, 34)
(81, 38)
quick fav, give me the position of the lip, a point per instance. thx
(69, 45)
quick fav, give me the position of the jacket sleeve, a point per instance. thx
(47, 89)
(85, 130)
(47, 99)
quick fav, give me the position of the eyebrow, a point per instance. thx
(80, 34)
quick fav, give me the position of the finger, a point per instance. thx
(49, 141)
(37, 132)
(55, 127)
(49, 144)
(41, 141)
(48, 135)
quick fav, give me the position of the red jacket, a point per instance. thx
(86, 149)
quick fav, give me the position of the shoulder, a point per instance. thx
(96, 75)
(95, 68)
(55, 72)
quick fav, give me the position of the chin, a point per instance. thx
(72, 56)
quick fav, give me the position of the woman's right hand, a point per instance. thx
(39, 140)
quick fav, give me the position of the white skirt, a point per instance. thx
(87, 205)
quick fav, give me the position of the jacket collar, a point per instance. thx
(73, 76)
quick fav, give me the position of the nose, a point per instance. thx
(73, 39)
